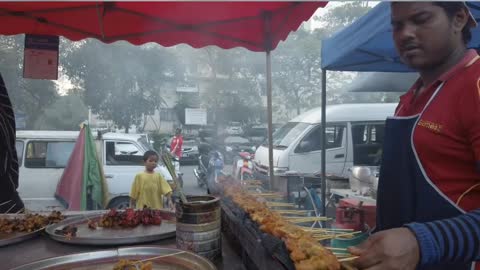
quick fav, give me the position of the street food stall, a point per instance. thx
(256, 26)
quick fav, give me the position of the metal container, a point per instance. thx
(361, 179)
(199, 226)
(161, 258)
(104, 236)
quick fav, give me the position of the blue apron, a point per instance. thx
(405, 193)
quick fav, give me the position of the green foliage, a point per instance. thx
(122, 82)
(233, 92)
(31, 97)
(339, 17)
(159, 139)
(66, 113)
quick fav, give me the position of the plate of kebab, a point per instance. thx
(115, 227)
(129, 258)
(15, 228)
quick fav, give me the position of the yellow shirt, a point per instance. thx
(148, 189)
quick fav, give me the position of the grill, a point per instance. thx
(259, 250)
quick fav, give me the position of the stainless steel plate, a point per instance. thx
(12, 238)
(106, 259)
(107, 236)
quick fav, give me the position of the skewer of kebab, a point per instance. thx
(305, 251)
(5, 202)
(127, 219)
(145, 264)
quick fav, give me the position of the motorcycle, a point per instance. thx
(202, 171)
(210, 166)
(243, 166)
(214, 170)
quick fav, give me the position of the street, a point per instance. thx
(190, 186)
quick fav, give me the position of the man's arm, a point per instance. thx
(453, 240)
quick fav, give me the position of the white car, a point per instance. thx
(43, 156)
(235, 128)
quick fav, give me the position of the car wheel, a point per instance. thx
(120, 203)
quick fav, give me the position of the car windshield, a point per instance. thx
(284, 136)
(189, 143)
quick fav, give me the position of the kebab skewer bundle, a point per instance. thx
(304, 249)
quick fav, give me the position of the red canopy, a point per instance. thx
(257, 26)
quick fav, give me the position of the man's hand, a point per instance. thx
(395, 249)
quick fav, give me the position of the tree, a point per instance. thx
(230, 81)
(333, 21)
(339, 17)
(297, 71)
(29, 96)
(66, 113)
(121, 82)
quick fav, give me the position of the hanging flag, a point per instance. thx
(82, 185)
(94, 185)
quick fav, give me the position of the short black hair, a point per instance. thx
(148, 154)
(451, 8)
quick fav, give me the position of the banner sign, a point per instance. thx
(40, 57)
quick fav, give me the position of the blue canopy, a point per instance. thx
(367, 45)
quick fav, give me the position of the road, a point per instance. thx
(190, 186)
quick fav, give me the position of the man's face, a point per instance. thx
(423, 33)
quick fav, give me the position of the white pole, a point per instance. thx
(270, 120)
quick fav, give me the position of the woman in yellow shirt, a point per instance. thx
(149, 187)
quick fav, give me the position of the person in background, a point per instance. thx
(176, 144)
(10, 201)
(149, 187)
(176, 148)
(428, 203)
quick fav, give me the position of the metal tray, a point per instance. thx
(105, 260)
(12, 238)
(105, 236)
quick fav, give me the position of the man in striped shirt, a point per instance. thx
(428, 214)
(10, 201)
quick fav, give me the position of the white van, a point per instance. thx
(354, 137)
(43, 156)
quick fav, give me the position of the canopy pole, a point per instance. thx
(324, 140)
(270, 119)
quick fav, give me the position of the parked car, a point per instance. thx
(257, 134)
(354, 137)
(189, 152)
(43, 155)
(235, 128)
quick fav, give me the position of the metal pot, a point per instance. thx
(361, 178)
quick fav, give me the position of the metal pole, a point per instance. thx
(324, 140)
(270, 120)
